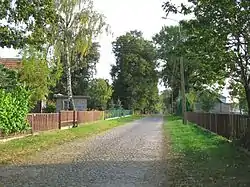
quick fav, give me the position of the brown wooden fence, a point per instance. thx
(231, 126)
(51, 121)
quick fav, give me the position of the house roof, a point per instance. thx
(60, 96)
(224, 102)
(11, 63)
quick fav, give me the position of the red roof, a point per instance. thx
(11, 63)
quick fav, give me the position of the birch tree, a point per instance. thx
(79, 25)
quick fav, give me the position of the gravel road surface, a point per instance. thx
(126, 156)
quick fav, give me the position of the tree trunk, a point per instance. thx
(69, 83)
(247, 90)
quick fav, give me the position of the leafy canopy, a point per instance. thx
(219, 36)
(134, 74)
(25, 22)
(37, 75)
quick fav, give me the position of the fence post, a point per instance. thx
(74, 120)
(32, 123)
(59, 120)
(47, 120)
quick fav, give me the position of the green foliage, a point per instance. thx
(100, 93)
(192, 98)
(171, 43)
(82, 73)
(8, 78)
(134, 75)
(16, 27)
(237, 91)
(165, 101)
(118, 104)
(79, 24)
(207, 100)
(111, 104)
(14, 107)
(37, 75)
(50, 108)
(220, 38)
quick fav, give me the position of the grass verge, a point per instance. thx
(16, 151)
(199, 158)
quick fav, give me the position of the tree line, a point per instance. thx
(215, 46)
(56, 40)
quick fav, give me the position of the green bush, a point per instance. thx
(50, 108)
(14, 107)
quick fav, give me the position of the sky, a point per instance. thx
(127, 15)
(124, 16)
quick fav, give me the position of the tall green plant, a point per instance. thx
(14, 107)
(79, 24)
(38, 74)
(8, 78)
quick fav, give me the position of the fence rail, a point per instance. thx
(51, 121)
(231, 126)
(40, 122)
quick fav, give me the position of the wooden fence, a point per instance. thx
(231, 126)
(50, 121)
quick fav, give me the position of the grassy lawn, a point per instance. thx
(17, 150)
(199, 158)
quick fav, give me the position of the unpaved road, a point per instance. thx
(129, 155)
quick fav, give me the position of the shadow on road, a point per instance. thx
(89, 173)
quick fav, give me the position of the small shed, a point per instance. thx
(62, 102)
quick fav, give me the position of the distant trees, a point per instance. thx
(134, 74)
(171, 44)
(100, 93)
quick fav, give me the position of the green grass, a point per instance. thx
(199, 158)
(17, 151)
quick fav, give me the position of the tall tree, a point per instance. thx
(82, 73)
(37, 75)
(100, 93)
(171, 45)
(25, 22)
(220, 36)
(134, 75)
(79, 25)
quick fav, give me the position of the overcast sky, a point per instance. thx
(127, 15)
(123, 16)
